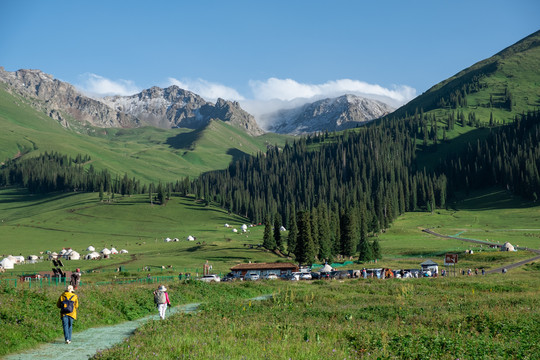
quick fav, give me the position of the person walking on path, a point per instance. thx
(161, 298)
(68, 303)
(75, 278)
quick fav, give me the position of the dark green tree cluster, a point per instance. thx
(372, 168)
(509, 157)
(50, 172)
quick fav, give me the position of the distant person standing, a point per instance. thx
(68, 303)
(161, 299)
(75, 278)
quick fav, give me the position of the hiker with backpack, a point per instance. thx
(161, 299)
(68, 304)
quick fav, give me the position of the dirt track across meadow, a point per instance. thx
(491, 271)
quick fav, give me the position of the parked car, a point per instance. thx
(339, 275)
(210, 278)
(252, 276)
(271, 276)
(305, 276)
(294, 276)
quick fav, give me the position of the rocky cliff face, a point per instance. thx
(344, 112)
(175, 107)
(61, 100)
(165, 108)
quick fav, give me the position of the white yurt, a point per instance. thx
(91, 248)
(176, 240)
(227, 225)
(19, 259)
(190, 238)
(244, 227)
(6, 264)
(53, 256)
(73, 255)
(62, 252)
(123, 251)
(106, 251)
(507, 247)
(234, 230)
(91, 256)
(282, 228)
(114, 251)
(167, 240)
(32, 257)
(66, 253)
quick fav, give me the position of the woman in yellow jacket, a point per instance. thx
(68, 304)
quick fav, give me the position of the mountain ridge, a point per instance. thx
(330, 114)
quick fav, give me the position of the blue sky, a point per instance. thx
(255, 50)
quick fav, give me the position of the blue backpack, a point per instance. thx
(67, 305)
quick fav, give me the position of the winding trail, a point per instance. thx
(497, 270)
(88, 342)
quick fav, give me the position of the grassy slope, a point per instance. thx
(31, 224)
(515, 67)
(149, 154)
(39, 223)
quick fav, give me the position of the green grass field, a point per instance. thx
(34, 223)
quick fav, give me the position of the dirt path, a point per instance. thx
(87, 343)
(497, 270)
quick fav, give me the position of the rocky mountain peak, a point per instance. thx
(332, 114)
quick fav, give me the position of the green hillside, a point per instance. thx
(149, 154)
(505, 84)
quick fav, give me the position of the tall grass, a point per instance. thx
(30, 316)
(493, 317)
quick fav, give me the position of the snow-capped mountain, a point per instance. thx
(332, 114)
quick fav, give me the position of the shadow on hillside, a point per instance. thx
(34, 199)
(490, 199)
(237, 154)
(185, 141)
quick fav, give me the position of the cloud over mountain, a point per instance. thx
(97, 85)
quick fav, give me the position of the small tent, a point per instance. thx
(53, 256)
(507, 247)
(106, 251)
(19, 259)
(176, 240)
(167, 239)
(114, 251)
(62, 252)
(244, 228)
(32, 257)
(123, 251)
(227, 225)
(282, 228)
(73, 255)
(234, 230)
(326, 268)
(91, 248)
(430, 265)
(93, 255)
(190, 238)
(6, 264)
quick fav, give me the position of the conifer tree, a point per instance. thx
(277, 232)
(293, 232)
(268, 240)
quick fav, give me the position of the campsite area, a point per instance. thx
(444, 317)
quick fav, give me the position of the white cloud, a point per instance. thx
(276, 94)
(100, 86)
(288, 89)
(208, 90)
